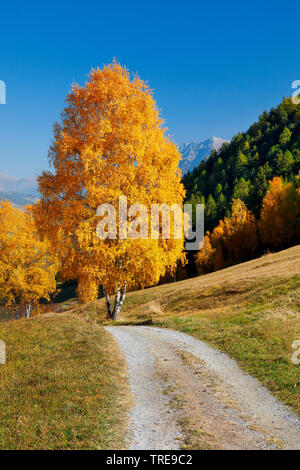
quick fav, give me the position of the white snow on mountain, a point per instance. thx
(23, 191)
(194, 152)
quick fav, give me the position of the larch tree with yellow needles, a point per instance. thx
(27, 270)
(233, 240)
(110, 143)
(279, 218)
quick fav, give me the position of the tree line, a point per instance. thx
(240, 237)
(243, 168)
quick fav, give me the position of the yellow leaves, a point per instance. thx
(240, 232)
(280, 215)
(204, 257)
(233, 240)
(110, 143)
(27, 272)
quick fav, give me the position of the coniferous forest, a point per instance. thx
(251, 190)
(243, 168)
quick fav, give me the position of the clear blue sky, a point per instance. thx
(214, 66)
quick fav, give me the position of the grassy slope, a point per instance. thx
(63, 386)
(251, 311)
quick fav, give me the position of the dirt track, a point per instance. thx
(189, 394)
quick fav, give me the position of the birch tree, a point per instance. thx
(111, 142)
(27, 270)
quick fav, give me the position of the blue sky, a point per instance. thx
(214, 66)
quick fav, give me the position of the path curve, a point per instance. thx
(178, 379)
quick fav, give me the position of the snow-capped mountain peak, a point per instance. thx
(194, 152)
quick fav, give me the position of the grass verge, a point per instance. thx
(63, 387)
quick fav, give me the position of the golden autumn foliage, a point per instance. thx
(280, 215)
(240, 233)
(27, 272)
(205, 257)
(110, 143)
(233, 240)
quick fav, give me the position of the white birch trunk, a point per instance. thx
(28, 310)
(119, 299)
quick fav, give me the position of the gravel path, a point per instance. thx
(178, 379)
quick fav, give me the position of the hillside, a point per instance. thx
(243, 168)
(251, 311)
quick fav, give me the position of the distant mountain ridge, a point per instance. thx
(19, 191)
(24, 191)
(18, 199)
(194, 152)
(26, 186)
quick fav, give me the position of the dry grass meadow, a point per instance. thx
(64, 385)
(250, 311)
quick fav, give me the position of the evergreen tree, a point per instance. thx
(211, 212)
(244, 167)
